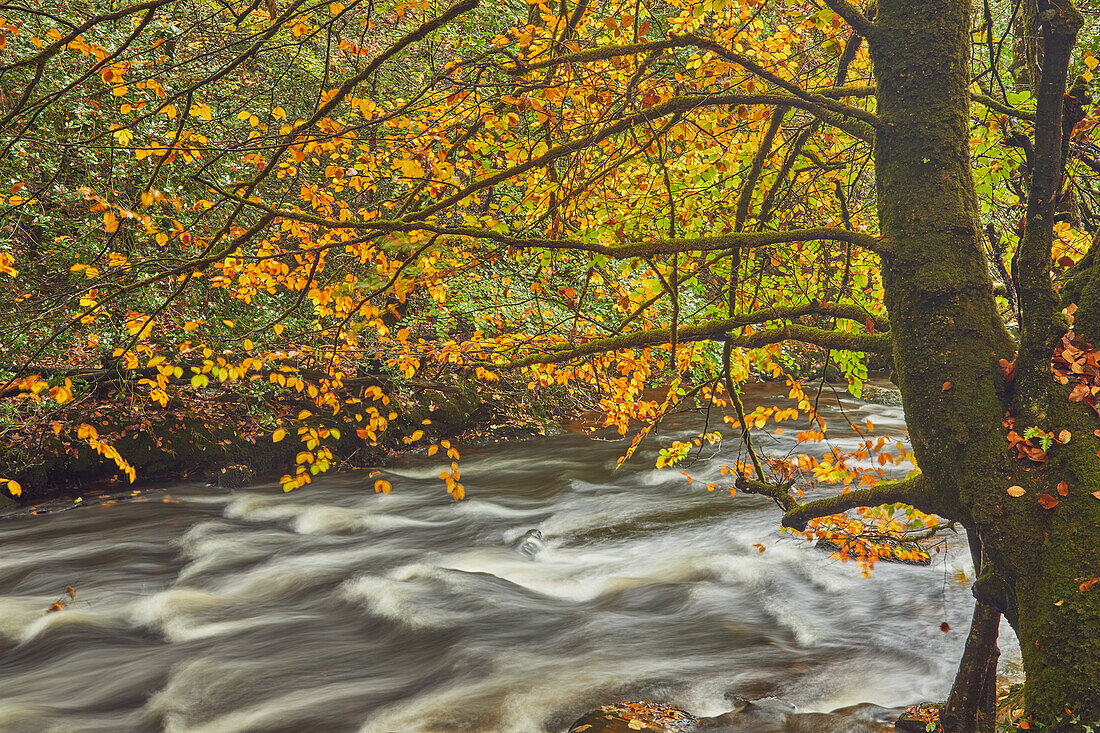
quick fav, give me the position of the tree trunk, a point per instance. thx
(971, 706)
(948, 339)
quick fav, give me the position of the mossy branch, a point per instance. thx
(718, 330)
(854, 17)
(911, 491)
(1003, 108)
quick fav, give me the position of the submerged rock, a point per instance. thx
(760, 716)
(531, 543)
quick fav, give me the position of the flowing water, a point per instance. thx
(334, 609)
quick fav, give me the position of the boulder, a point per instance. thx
(759, 716)
(630, 717)
(881, 395)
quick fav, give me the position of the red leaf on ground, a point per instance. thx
(1047, 501)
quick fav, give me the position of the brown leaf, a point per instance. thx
(1018, 491)
(1063, 488)
(1078, 393)
(1047, 501)
(1064, 436)
(945, 627)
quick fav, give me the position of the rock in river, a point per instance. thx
(760, 716)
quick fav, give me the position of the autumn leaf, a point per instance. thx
(1079, 393)
(1063, 488)
(1047, 501)
(278, 435)
(946, 386)
(945, 627)
(1016, 491)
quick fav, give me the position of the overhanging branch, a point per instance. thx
(911, 491)
(719, 330)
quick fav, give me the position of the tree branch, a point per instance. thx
(854, 17)
(716, 331)
(911, 491)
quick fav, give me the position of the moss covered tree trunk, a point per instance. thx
(948, 338)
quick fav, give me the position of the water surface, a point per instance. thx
(336, 609)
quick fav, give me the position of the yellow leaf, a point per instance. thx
(382, 486)
(278, 113)
(304, 414)
(1091, 61)
(14, 488)
(278, 435)
(110, 222)
(1016, 491)
(336, 8)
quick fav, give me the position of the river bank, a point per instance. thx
(224, 437)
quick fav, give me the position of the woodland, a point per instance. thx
(318, 231)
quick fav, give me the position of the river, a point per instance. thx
(333, 608)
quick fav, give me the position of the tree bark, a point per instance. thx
(971, 706)
(948, 338)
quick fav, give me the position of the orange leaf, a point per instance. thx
(1063, 488)
(1087, 584)
(1047, 501)
(1016, 491)
(1079, 393)
(946, 386)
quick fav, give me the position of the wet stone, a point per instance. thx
(760, 716)
(629, 717)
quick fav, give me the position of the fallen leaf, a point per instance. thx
(1063, 488)
(1087, 584)
(946, 386)
(1063, 436)
(1079, 393)
(1018, 491)
(1047, 501)
(945, 627)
